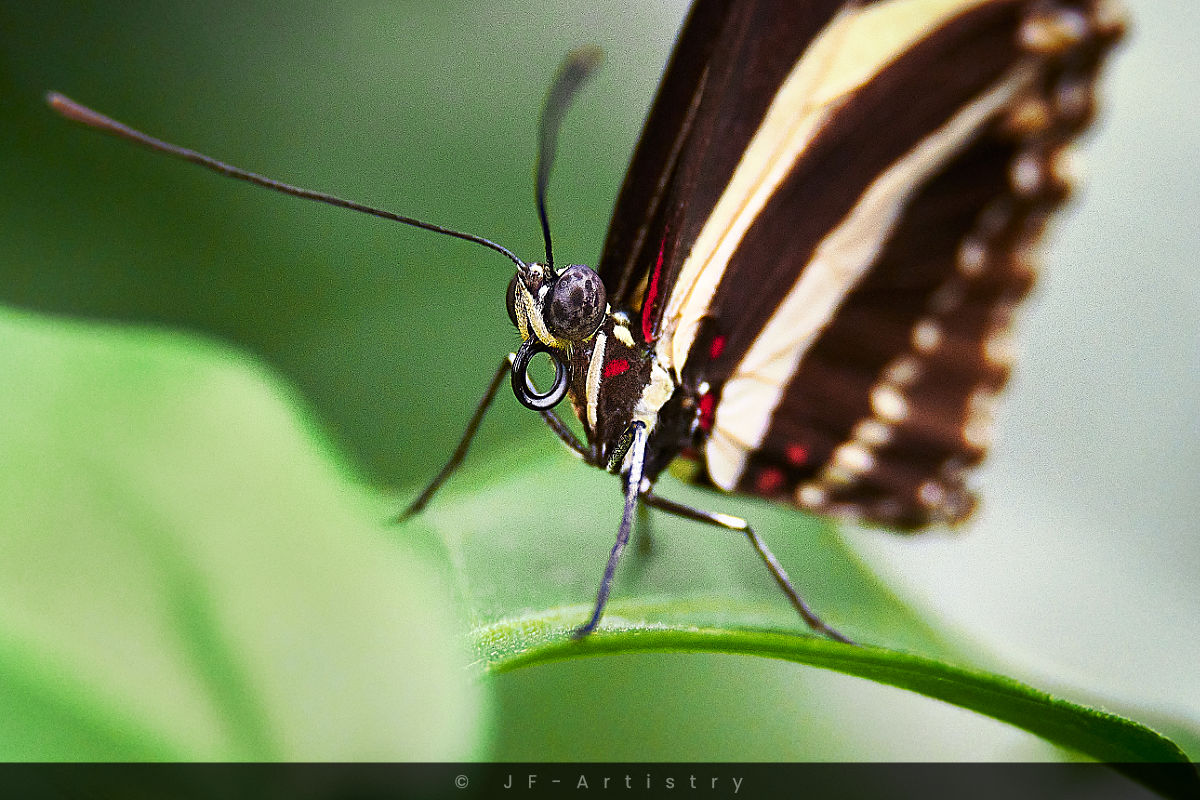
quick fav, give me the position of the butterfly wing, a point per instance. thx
(723, 73)
(829, 222)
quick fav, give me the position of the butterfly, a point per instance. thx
(808, 281)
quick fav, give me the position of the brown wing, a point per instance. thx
(885, 399)
(830, 248)
(723, 73)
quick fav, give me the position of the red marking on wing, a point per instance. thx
(769, 480)
(796, 454)
(652, 293)
(716, 348)
(615, 367)
(708, 409)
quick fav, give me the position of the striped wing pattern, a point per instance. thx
(826, 244)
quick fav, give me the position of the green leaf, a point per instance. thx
(187, 573)
(704, 591)
(1100, 735)
(1092, 732)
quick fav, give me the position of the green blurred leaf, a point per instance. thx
(187, 573)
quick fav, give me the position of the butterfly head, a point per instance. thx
(556, 307)
(553, 310)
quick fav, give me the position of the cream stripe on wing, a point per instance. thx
(852, 48)
(753, 391)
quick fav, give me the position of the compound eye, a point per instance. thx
(510, 300)
(577, 303)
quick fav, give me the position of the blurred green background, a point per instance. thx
(1080, 571)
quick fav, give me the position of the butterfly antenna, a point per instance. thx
(86, 116)
(576, 68)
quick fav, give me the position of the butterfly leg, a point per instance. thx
(643, 544)
(464, 443)
(644, 539)
(567, 436)
(633, 484)
(737, 524)
(553, 420)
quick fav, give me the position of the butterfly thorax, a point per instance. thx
(616, 380)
